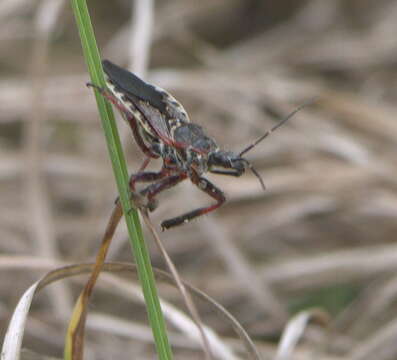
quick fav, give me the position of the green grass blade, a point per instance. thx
(140, 252)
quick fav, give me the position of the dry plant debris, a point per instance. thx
(322, 235)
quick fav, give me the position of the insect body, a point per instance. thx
(162, 129)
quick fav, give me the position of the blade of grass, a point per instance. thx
(145, 271)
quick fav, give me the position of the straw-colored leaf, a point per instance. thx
(74, 344)
(295, 329)
(13, 340)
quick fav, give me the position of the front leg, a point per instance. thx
(209, 188)
(227, 172)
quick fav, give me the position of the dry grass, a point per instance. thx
(321, 235)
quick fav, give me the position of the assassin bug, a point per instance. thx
(162, 129)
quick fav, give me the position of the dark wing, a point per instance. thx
(151, 101)
(131, 84)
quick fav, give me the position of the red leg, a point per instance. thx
(152, 190)
(132, 186)
(138, 138)
(144, 164)
(147, 176)
(134, 177)
(209, 188)
(166, 181)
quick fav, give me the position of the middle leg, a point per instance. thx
(209, 188)
(146, 176)
(152, 190)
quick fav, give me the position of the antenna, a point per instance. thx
(255, 172)
(283, 121)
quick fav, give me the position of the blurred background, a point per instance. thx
(322, 235)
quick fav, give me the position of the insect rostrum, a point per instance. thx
(162, 129)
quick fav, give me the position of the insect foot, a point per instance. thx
(152, 204)
(142, 202)
(167, 224)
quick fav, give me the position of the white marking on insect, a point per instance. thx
(120, 96)
(174, 124)
(202, 185)
(175, 104)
